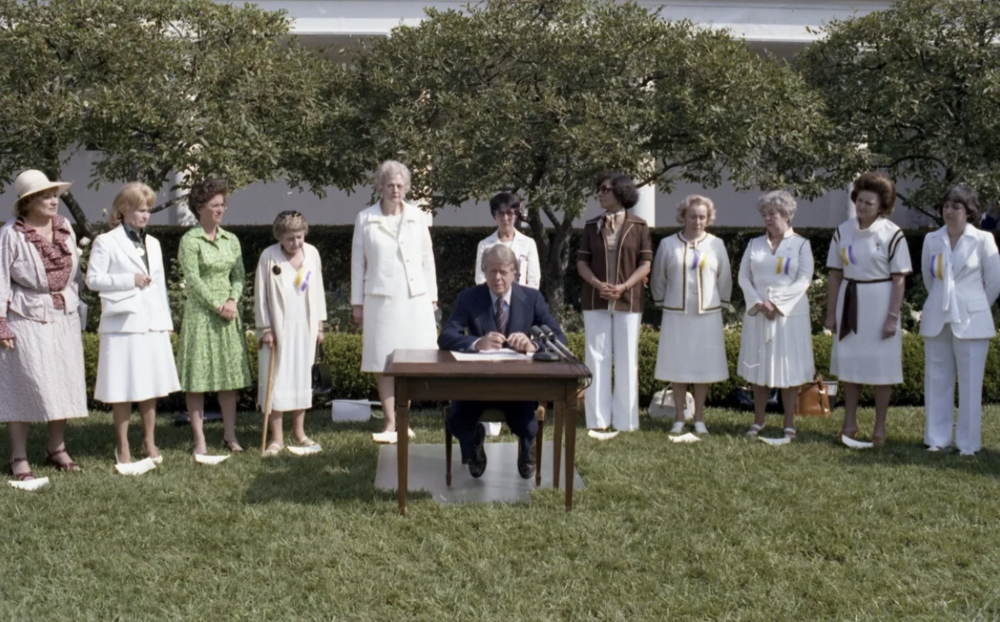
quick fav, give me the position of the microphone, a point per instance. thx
(550, 338)
(542, 353)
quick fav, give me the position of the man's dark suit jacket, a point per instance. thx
(474, 317)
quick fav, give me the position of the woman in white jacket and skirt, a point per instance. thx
(136, 362)
(776, 341)
(961, 270)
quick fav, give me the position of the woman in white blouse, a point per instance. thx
(868, 263)
(393, 283)
(692, 280)
(776, 342)
(504, 208)
(961, 271)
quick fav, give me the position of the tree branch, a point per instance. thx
(167, 204)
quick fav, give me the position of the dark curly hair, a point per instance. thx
(880, 185)
(622, 187)
(203, 192)
(968, 198)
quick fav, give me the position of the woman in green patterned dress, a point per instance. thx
(213, 350)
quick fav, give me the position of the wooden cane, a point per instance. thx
(267, 399)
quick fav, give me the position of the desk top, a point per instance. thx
(437, 363)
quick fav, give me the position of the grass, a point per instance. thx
(726, 529)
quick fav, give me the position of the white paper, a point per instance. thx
(210, 460)
(602, 436)
(491, 355)
(31, 484)
(303, 451)
(136, 468)
(685, 438)
(853, 444)
(774, 442)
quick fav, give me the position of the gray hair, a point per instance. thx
(499, 252)
(391, 168)
(781, 200)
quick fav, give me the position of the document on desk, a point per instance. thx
(491, 355)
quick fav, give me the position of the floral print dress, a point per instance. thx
(212, 352)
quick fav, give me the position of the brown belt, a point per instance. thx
(849, 313)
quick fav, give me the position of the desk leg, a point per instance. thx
(402, 441)
(557, 435)
(571, 412)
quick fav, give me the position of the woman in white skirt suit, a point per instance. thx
(289, 311)
(136, 362)
(393, 283)
(961, 271)
(692, 280)
(868, 263)
(776, 341)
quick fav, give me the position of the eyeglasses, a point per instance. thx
(605, 189)
(506, 213)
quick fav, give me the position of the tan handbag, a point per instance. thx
(813, 399)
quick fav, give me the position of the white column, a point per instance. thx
(646, 207)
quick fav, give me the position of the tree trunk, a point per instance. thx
(553, 255)
(86, 228)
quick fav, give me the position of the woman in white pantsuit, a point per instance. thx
(136, 362)
(393, 283)
(289, 311)
(776, 341)
(692, 280)
(868, 263)
(961, 271)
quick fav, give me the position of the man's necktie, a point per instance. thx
(502, 316)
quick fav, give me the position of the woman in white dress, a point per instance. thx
(776, 341)
(393, 283)
(961, 271)
(868, 263)
(136, 362)
(692, 280)
(504, 208)
(289, 311)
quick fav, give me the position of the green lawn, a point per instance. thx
(726, 529)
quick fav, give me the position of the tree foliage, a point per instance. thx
(158, 87)
(539, 96)
(919, 85)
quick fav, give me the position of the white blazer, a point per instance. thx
(528, 269)
(269, 301)
(373, 254)
(677, 267)
(962, 283)
(114, 262)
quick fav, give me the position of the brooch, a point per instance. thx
(276, 270)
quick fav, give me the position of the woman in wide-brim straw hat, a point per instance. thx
(41, 351)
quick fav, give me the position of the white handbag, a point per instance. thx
(124, 302)
(662, 405)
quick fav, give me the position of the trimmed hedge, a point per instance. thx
(343, 351)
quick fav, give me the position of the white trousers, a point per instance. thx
(943, 356)
(612, 336)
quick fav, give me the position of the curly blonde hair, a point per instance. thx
(690, 201)
(130, 198)
(289, 221)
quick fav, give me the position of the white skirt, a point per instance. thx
(292, 369)
(398, 322)
(776, 354)
(692, 348)
(864, 357)
(133, 367)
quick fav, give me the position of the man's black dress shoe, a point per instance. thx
(526, 458)
(477, 463)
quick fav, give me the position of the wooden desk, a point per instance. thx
(435, 375)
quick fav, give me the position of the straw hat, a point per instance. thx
(32, 182)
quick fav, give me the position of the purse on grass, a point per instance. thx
(322, 381)
(813, 399)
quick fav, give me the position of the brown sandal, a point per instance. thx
(21, 477)
(64, 466)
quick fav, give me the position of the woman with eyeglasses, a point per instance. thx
(289, 309)
(212, 354)
(615, 255)
(504, 208)
(868, 263)
(393, 284)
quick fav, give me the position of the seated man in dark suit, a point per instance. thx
(496, 314)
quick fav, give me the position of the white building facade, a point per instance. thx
(779, 26)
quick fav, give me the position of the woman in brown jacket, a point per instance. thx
(615, 256)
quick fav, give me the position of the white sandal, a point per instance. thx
(755, 430)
